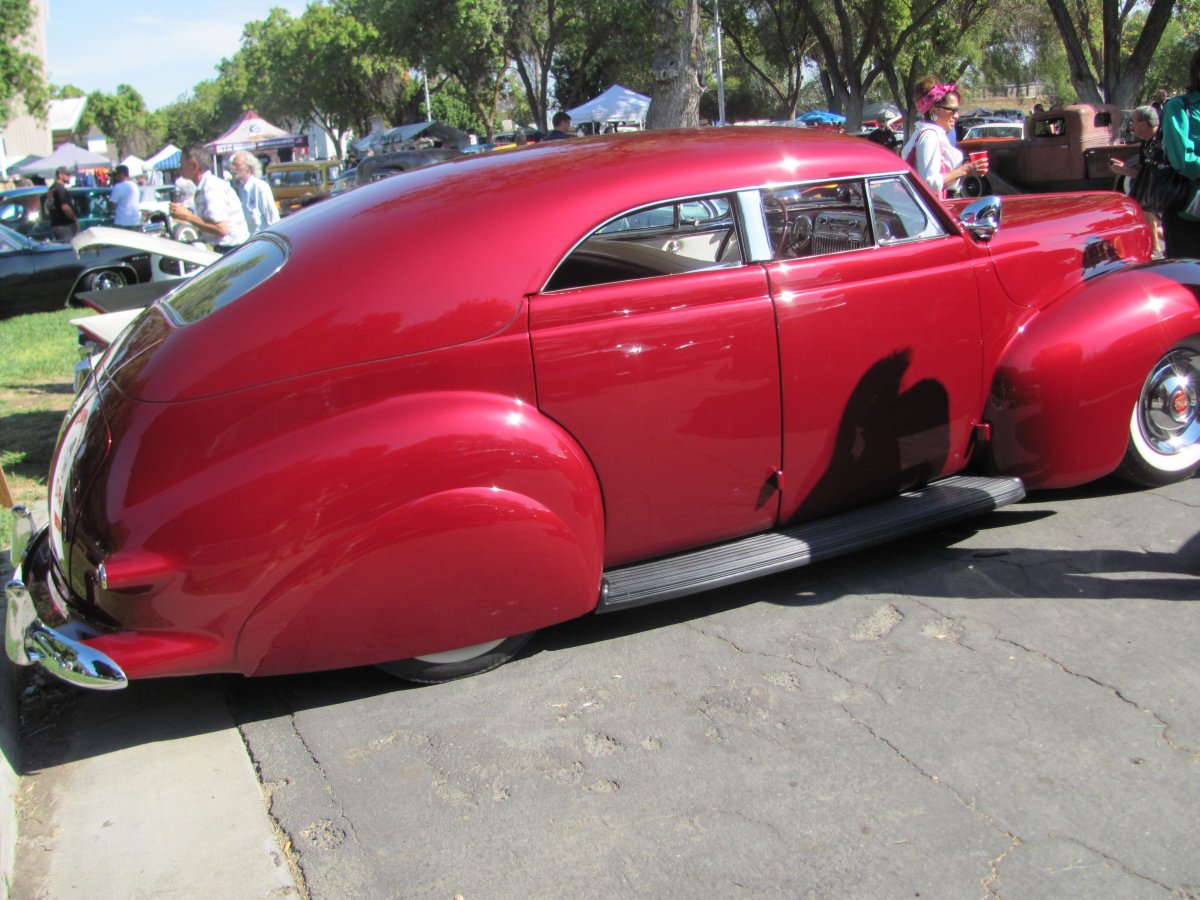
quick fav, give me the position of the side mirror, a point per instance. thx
(982, 217)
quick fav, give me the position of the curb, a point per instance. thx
(10, 760)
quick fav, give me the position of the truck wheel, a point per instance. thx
(974, 186)
(1164, 430)
(435, 668)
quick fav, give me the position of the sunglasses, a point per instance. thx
(953, 109)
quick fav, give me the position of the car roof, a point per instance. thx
(559, 191)
(455, 249)
(24, 191)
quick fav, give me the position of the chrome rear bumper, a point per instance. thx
(28, 640)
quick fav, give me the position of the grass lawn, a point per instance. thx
(38, 353)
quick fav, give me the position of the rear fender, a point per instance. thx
(506, 537)
(1066, 384)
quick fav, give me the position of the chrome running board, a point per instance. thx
(935, 505)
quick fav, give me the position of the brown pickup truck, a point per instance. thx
(1067, 148)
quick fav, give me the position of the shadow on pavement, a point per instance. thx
(61, 724)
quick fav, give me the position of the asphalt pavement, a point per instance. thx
(1006, 708)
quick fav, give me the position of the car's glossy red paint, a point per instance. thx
(394, 440)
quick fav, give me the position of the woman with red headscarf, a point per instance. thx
(928, 150)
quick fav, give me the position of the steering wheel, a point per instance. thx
(799, 236)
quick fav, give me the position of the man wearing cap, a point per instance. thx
(123, 201)
(64, 220)
(218, 216)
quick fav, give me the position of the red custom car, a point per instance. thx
(399, 431)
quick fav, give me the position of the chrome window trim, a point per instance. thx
(758, 243)
(930, 218)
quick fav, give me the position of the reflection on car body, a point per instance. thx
(738, 351)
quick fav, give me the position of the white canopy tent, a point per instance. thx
(136, 165)
(166, 158)
(67, 155)
(617, 104)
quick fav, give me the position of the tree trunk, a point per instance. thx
(1120, 80)
(678, 65)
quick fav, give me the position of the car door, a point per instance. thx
(18, 287)
(664, 367)
(880, 341)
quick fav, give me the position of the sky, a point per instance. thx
(161, 48)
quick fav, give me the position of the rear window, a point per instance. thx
(228, 279)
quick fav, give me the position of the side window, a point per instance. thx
(663, 239)
(897, 214)
(817, 219)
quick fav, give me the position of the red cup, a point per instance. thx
(979, 155)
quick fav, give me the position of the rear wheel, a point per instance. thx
(1164, 430)
(435, 668)
(106, 280)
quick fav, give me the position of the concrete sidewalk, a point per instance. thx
(145, 792)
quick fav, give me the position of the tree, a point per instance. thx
(466, 39)
(679, 60)
(120, 116)
(774, 42)
(203, 115)
(328, 66)
(22, 82)
(588, 60)
(534, 30)
(1101, 70)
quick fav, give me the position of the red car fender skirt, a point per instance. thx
(1065, 386)
(496, 528)
(450, 570)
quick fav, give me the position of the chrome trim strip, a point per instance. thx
(28, 641)
(757, 241)
(22, 536)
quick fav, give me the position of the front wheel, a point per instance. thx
(435, 668)
(1164, 430)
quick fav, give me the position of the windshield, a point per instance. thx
(10, 240)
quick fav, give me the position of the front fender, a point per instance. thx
(1066, 384)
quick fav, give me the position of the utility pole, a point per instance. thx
(720, 63)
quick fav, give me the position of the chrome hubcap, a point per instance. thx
(1167, 412)
(462, 654)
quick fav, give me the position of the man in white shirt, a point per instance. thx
(123, 200)
(258, 203)
(218, 216)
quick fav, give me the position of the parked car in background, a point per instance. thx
(601, 373)
(37, 276)
(1067, 148)
(91, 205)
(156, 217)
(995, 131)
(292, 182)
(384, 165)
(21, 208)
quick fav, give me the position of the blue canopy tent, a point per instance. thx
(820, 117)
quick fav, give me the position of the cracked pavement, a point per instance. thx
(1008, 708)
